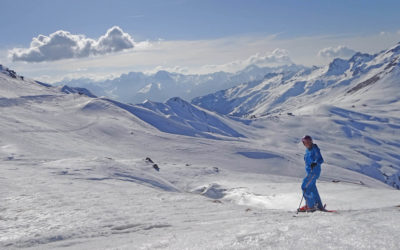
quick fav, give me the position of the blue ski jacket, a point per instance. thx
(313, 155)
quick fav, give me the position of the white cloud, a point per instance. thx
(175, 69)
(334, 52)
(277, 57)
(62, 45)
(195, 56)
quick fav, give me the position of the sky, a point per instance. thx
(50, 40)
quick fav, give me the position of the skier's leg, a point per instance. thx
(308, 187)
(308, 197)
(313, 195)
(309, 180)
(318, 199)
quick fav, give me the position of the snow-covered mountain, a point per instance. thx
(176, 116)
(362, 80)
(82, 172)
(9, 72)
(136, 87)
(180, 117)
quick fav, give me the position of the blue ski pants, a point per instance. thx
(310, 190)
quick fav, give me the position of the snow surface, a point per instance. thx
(74, 175)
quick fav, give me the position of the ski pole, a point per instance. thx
(300, 203)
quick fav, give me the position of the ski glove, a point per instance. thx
(313, 165)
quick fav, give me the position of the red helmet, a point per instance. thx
(306, 138)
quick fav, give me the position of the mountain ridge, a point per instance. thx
(356, 73)
(136, 87)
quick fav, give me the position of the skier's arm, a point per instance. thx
(318, 157)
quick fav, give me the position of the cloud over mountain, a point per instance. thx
(334, 52)
(277, 57)
(62, 45)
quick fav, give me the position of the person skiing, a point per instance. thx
(313, 160)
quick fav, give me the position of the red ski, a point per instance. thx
(306, 209)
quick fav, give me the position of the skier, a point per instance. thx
(313, 160)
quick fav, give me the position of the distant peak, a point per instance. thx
(147, 101)
(338, 61)
(360, 54)
(338, 66)
(176, 99)
(76, 90)
(162, 74)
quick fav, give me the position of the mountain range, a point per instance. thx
(360, 81)
(136, 87)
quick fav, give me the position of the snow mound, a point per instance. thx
(177, 116)
(76, 90)
(213, 191)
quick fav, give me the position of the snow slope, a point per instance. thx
(177, 116)
(74, 175)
